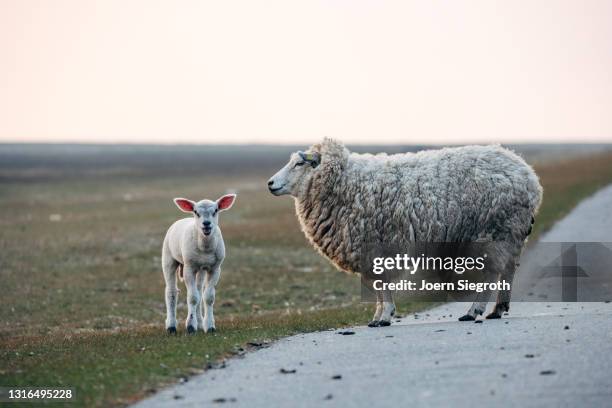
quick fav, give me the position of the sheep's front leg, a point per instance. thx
(377, 314)
(388, 308)
(193, 299)
(209, 299)
(385, 309)
(379, 310)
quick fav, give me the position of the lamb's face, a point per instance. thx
(206, 212)
(295, 173)
(206, 215)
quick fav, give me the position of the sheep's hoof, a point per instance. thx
(502, 307)
(384, 323)
(467, 318)
(171, 330)
(211, 330)
(494, 315)
(374, 323)
(190, 329)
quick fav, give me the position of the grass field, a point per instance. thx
(80, 238)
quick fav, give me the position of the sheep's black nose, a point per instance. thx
(206, 223)
(270, 182)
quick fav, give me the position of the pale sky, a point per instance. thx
(295, 71)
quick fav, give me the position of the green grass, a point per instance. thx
(82, 304)
(566, 182)
(118, 368)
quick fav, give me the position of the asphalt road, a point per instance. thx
(543, 354)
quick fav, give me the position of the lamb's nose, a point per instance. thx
(270, 182)
(206, 223)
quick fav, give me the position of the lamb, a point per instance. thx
(345, 201)
(194, 247)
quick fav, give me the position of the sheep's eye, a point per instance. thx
(216, 211)
(300, 163)
(196, 213)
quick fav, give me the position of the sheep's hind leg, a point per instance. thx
(502, 304)
(502, 253)
(169, 267)
(478, 307)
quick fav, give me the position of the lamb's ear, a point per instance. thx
(184, 204)
(226, 202)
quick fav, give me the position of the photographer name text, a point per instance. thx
(423, 285)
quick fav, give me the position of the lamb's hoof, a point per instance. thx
(494, 315)
(211, 330)
(191, 330)
(467, 318)
(384, 323)
(171, 330)
(374, 323)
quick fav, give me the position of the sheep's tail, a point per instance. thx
(180, 272)
(531, 226)
(535, 193)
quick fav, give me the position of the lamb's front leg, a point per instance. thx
(169, 267)
(200, 287)
(193, 299)
(209, 299)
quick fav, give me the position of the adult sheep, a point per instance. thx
(346, 201)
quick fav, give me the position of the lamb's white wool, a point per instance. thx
(195, 247)
(347, 201)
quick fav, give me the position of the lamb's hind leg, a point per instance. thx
(169, 267)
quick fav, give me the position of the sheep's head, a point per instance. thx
(206, 212)
(321, 160)
(299, 169)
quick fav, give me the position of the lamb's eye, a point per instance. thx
(300, 163)
(216, 211)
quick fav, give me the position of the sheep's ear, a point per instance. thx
(184, 204)
(313, 158)
(226, 202)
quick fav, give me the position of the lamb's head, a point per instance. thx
(322, 160)
(206, 212)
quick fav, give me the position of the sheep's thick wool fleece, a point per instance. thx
(459, 194)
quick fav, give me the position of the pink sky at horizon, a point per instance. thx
(398, 72)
